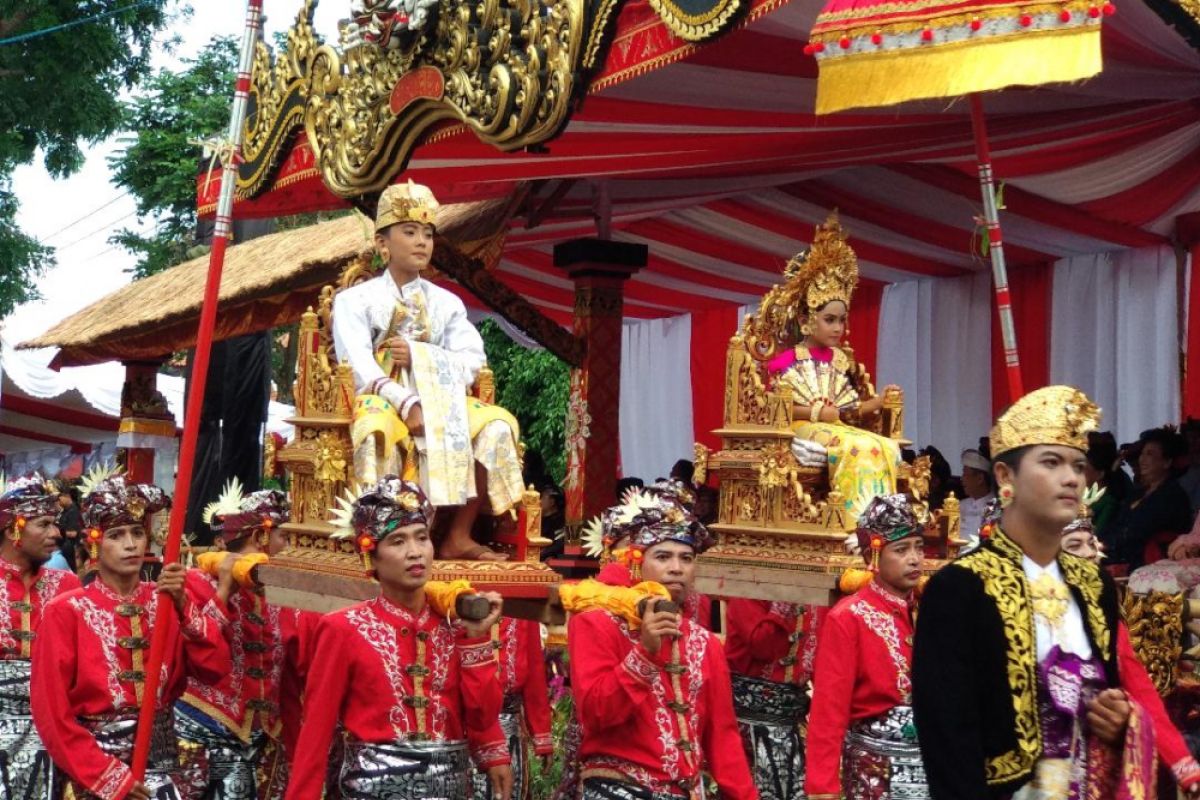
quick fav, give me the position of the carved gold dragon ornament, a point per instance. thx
(507, 69)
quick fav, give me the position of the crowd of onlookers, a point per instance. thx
(1147, 512)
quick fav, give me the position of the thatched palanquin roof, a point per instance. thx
(266, 282)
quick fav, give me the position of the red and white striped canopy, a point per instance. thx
(719, 164)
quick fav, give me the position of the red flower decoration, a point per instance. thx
(876, 542)
(21, 521)
(366, 543)
(1093, 12)
(976, 24)
(927, 35)
(1109, 9)
(1064, 15)
(94, 534)
(844, 43)
(1026, 20)
(877, 38)
(636, 555)
(810, 49)
(268, 523)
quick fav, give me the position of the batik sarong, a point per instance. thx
(512, 723)
(214, 763)
(606, 789)
(881, 759)
(405, 771)
(770, 716)
(24, 764)
(115, 733)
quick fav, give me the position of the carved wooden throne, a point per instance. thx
(321, 573)
(781, 530)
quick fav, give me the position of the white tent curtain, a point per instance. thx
(656, 395)
(1114, 334)
(934, 342)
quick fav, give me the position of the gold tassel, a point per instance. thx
(854, 579)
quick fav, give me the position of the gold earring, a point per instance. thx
(384, 255)
(1006, 496)
(806, 329)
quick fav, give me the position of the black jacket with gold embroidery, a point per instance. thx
(975, 667)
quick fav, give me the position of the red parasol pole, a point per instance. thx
(991, 217)
(191, 420)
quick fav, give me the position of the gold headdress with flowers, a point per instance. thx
(406, 202)
(826, 271)
(1052, 415)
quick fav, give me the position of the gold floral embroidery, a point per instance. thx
(1004, 582)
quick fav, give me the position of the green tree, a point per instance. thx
(60, 90)
(159, 163)
(535, 386)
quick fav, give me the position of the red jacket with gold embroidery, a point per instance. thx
(522, 671)
(88, 660)
(247, 697)
(655, 720)
(772, 641)
(386, 675)
(21, 605)
(863, 669)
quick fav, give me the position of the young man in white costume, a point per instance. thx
(415, 356)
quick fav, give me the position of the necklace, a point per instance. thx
(1050, 598)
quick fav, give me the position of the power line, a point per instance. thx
(24, 37)
(86, 216)
(101, 229)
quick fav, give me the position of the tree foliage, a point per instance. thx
(535, 386)
(159, 163)
(60, 91)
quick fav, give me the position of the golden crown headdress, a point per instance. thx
(827, 271)
(1052, 415)
(406, 202)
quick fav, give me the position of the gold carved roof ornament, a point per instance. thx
(826, 271)
(509, 70)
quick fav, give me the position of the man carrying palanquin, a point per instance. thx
(415, 355)
(28, 509)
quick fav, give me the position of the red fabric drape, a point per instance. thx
(1031, 288)
(864, 323)
(710, 339)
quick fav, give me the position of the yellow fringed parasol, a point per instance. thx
(883, 52)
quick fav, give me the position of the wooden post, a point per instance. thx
(599, 269)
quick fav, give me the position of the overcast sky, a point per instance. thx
(79, 214)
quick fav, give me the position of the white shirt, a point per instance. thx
(970, 516)
(1069, 634)
(362, 316)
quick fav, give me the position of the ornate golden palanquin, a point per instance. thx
(781, 530)
(321, 573)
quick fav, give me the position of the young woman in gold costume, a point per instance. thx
(833, 399)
